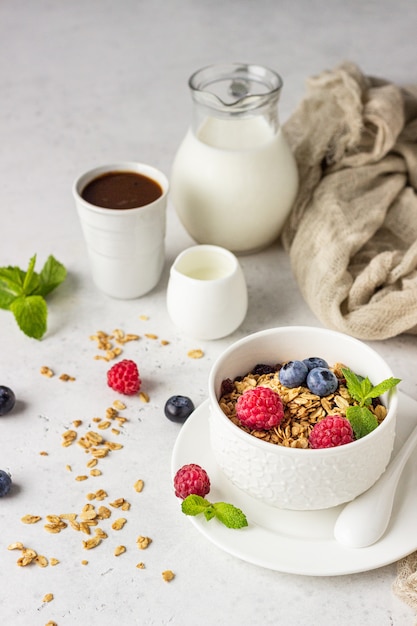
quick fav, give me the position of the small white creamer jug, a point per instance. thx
(234, 178)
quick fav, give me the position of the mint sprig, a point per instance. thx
(23, 293)
(227, 514)
(363, 421)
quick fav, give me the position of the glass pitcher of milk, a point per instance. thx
(234, 178)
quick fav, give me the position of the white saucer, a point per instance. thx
(293, 541)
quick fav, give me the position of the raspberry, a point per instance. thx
(191, 479)
(124, 377)
(260, 407)
(331, 431)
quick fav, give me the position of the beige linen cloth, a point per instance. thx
(352, 233)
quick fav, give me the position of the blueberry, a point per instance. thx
(178, 408)
(321, 381)
(293, 374)
(5, 483)
(7, 400)
(315, 361)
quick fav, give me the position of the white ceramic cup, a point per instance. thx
(207, 295)
(126, 247)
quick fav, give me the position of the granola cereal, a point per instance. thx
(143, 542)
(30, 519)
(48, 597)
(302, 408)
(195, 354)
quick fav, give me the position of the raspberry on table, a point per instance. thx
(124, 377)
(260, 408)
(331, 431)
(191, 479)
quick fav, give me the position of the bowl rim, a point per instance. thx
(306, 452)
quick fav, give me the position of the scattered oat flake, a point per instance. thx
(117, 503)
(111, 413)
(17, 545)
(103, 512)
(53, 561)
(141, 565)
(143, 396)
(138, 486)
(30, 519)
(81, 477)
(151, 336)
(48, 597)
(68, 468)
(92, 463)
(143, 542)
(144, 317)
(41, 560)
(43, 453)
(89, 544)
(69, 436)
(66, 377)
(77, 423)
(119, 523)
(51, 623)
(195, 354)
(119, 550)
(46, 371)
(119, 405)
(164, 342)
(95, 472)
(84, 562)
(168, 575)
(112, 445)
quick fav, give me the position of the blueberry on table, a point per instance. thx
(7, 400)
(178, 408)
(315, 361)
(293, 374)
(5, 483)
(321, 381)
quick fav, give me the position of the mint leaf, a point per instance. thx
(229, 515)
(366, 387)
(210, 512)
(23, 293)
(386, 385)
(52, 274)
(11, 285)
(362, 420)
(31, 314)
(353, 384)
(31, 279)
(194, 505)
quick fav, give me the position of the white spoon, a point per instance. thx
(364, 520)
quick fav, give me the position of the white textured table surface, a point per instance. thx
(89, 82)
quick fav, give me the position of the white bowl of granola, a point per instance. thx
(277, 466)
